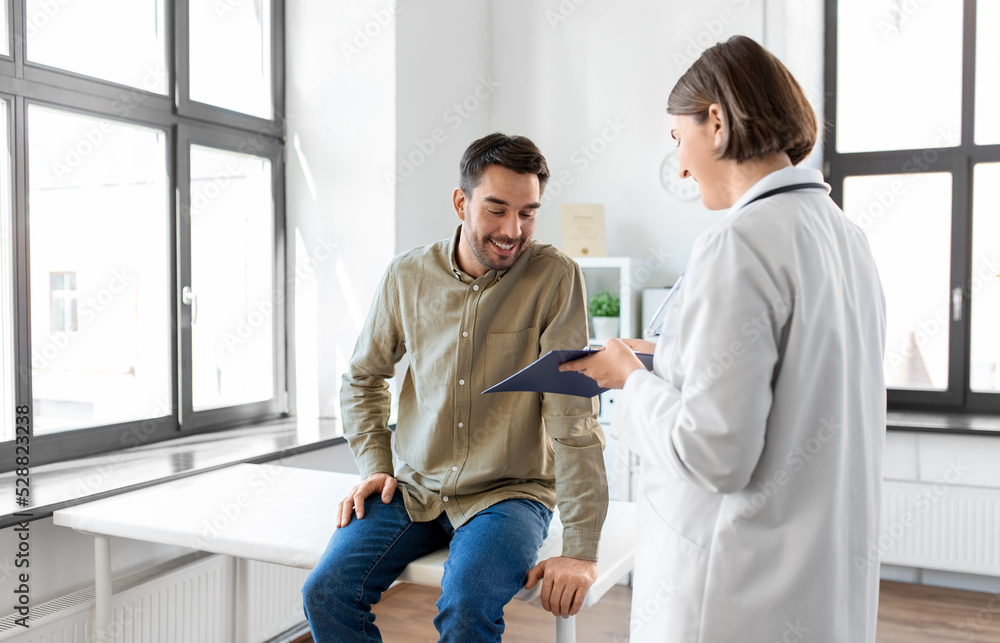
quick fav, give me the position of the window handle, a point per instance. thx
(956, 304)
(190, 299)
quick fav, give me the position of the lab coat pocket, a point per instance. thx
(669, 582)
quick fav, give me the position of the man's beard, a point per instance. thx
(482, 249)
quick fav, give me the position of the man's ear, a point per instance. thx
(717, 123)
(458, 200)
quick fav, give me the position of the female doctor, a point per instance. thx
(761, 427)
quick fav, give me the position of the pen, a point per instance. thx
(656, 323)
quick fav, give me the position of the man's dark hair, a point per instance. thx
(515, 153)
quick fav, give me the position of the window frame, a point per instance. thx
(23, 83)
(959, 161)
(231, 142)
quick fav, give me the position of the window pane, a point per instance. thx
(907, 218)
(987, 71)
(231, 55)
(985, 287)
(4, 28)
(899, 75)
(117, 40)
(232, 263)
(106, 220)
(7, 355)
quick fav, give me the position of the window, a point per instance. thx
(230, 50)
(913, 157)
(63, 302)
(154, 200)
(8, 359)
(90, 38)
(4, 28)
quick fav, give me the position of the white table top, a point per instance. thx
(285, 515)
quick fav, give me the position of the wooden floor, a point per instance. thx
(907, 614)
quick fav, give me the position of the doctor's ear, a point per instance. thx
(716, 122)
(458, 200)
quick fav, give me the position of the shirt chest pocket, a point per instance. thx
(505, 354)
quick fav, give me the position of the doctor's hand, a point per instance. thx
(640, 345)
(565, 582)
(381, 483)
(609, 367)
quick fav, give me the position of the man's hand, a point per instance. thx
(565, 582)
(355, 501)
(609, 367)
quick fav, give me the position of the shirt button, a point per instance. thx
(445, 498)
(461, 382)
(461, 424)
(465, 333)
(454, 468)
(476, 287)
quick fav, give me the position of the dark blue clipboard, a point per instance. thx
(543, 375)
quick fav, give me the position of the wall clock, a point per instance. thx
(683, 189)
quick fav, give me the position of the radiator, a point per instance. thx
(939, 526)
(274, 599)
(190, 599)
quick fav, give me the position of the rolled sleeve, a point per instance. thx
(364, 396)
(578, 441)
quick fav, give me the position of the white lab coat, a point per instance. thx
(761, 431)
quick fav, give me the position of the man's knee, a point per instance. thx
(470, 605)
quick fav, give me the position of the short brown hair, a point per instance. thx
(764, 109)
(515, 153)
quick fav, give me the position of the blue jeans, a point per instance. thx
(488, 563)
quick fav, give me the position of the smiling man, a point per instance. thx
(478, 472)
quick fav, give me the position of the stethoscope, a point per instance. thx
(656, 324)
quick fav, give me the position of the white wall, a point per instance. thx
(444, 100)
(340, 105)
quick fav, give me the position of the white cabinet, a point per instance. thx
(613, 274)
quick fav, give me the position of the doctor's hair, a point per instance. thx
(515, 153)
(764, 110)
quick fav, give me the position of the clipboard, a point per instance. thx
(543, 375)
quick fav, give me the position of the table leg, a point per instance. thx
(102, 588)
(566, 629)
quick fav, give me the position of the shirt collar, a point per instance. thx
(490, 277)
(777, 179)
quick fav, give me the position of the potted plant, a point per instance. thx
(604, 310)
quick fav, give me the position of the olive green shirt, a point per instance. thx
(459, 451)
